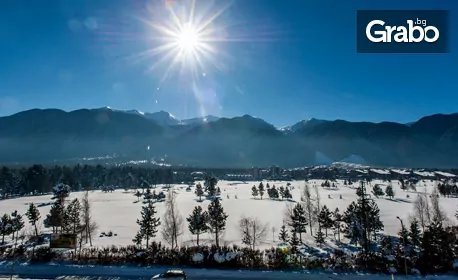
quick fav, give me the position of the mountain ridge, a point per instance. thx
(39, 135)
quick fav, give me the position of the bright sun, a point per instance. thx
(188, 38)
(185, 37)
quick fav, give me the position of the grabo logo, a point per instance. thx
(392, 31)
(402, 33)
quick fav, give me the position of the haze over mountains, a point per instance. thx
(49, 135)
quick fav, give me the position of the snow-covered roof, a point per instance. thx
(380, 171)
(445, 174)
(401, 171)
(424, 173)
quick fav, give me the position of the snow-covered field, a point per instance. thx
(119, 210)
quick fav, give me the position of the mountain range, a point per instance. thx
(52, 135)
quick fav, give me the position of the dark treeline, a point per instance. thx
(38, 179)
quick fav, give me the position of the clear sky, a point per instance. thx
(281, 60)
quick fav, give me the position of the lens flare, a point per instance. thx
(184, 38)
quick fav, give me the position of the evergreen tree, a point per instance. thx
(6, 227)
(147, 195)
(353, 228)
(283, 235)
(217, 219)
(319, 237)
(261, 190)
(281, 192)
(325, 219)
(362, 219)
(198, 222)
(437, 252)
(414, 234)
(55, 217)
(72, 217)
(377, 191)
(404, 236)
(210, 186)
(294, 242)
(298, 220)
(199, 191)
(287, 194)
(33, 214)
(138, 194)
(61, 192)
(389, 191)
(374, 223)
(273, 193)
(386, 244)
(254, 191)
(138, 239)
(148, 222)
(17, 223)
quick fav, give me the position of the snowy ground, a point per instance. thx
(118, 211)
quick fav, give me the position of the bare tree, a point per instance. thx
(422, 212)
(437, 213)
(308, 206)
(172, 221)
(89, 226)
(253, 231)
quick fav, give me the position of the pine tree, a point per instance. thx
(274, 193)
(138, 194)
(283, 235)
(437, 252)
(72, 214)
(210, 186)
(17, 223)
(319, 237)
(217, 219)
(261, 190)
(287, 194)
(325, 219)
(374, 223)
(362, 219)
(55, 217)
(198, 222)
(254, 191)
(33, 214)
(353, 227)
(404, 236)
(147, 195)
(414, 234)
(386, 244)
(61, 191)
(377, 191)
(138, 239)
(389, 191)
(199, 191)
(6, 227)
(148, 222)
(298, 220)
(281, 192)
(294, 242)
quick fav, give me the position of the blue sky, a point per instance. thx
(283, 61)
